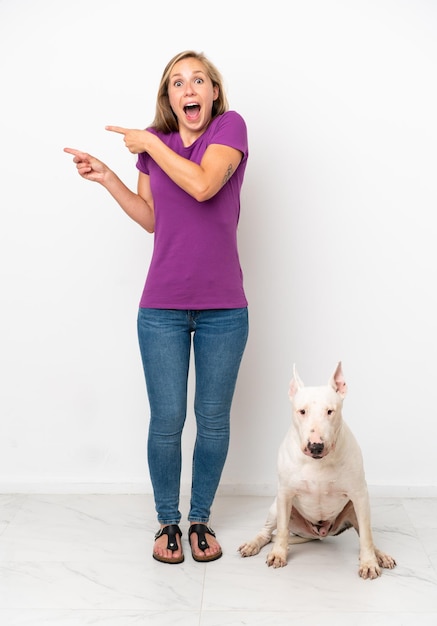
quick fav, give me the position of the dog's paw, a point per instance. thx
(276, 559)
(249, 549)
(385, 560)
(369, 570)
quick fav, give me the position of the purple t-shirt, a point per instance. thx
(195, 263)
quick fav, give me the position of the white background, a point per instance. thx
(337, 233)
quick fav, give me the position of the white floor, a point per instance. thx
(73, 560)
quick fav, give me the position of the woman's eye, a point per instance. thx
(177, 83)
(199, 81)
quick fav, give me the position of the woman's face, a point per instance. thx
(191, 95)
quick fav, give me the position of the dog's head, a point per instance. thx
(317, 413)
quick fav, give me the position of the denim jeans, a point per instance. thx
(219, 338)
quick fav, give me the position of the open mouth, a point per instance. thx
(192, 110)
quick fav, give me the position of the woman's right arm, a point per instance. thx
(138, 206)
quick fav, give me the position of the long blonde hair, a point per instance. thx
(165, 120)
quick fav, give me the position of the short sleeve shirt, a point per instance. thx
(195, 262)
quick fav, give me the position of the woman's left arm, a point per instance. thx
(202, 181)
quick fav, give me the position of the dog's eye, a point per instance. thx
(302, 411)
(330, 411)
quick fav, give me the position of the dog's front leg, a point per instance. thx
(369, 567)
(277, 557)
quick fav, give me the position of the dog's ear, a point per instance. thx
(338, 382)
(295, 383)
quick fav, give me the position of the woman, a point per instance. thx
(191, 163)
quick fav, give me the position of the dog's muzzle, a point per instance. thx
(315, 450)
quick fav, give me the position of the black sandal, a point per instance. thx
(201, 530)
(171, 531)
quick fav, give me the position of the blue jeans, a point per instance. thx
(219, 339)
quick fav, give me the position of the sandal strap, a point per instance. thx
(201, 530)
(171, 531)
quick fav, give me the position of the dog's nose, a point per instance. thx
(316, 449)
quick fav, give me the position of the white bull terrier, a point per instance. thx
(322, 489)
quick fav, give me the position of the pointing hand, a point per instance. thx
(133, 139)
(88, 166)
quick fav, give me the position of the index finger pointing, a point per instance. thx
(117, 129)
(74, 152)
